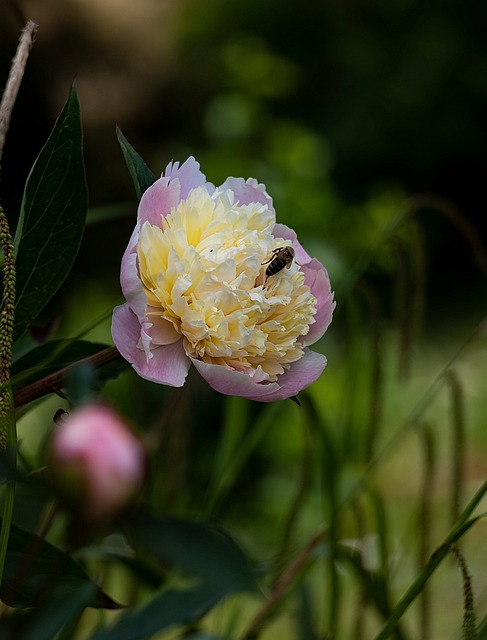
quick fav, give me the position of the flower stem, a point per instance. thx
(55, 381)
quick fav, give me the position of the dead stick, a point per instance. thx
(282, 585)
(15, 78)
(55, 381)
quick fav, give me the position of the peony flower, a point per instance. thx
(194, 277)
(97, 463)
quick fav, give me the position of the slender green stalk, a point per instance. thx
(288, 527)
(458, 439)
(375, 316)
(237, 461)
(8, 431)
(425, 519)
(462, 525)
(330, 477)
(403, 297)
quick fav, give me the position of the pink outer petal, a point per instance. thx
(160, 330)
(316, 277)
(188, 174)
(248, 191)
(129, 278)
(158, 200)
(169, 363)
(282, 231)
(172, 187)
(235, 383)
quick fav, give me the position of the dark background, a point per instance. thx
(343, 109)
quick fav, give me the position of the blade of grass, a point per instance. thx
(462, 525)
(235, 464)
(235, 421)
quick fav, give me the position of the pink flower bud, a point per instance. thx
(97, 463)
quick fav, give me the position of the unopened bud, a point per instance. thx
(97, 462)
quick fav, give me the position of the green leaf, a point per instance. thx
(52, 216)
(193, 548)
(8, 468)
(144, 573)
(418, 585)
(59, 607)
(34, 568)
(171, 607)
(49, 358)
(305, 617)
(140, 172)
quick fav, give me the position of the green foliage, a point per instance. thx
(351, 503)
(140, 172)
(52, 217)
(33, 565)
(169, 608)
(50, 357)
(197, 550)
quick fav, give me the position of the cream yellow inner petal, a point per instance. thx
(203, 273)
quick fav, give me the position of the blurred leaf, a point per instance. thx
(374, 584)
(193, 548)
(52, 217)
(144, 572)
(109, 212)
(304, 618)
(221, 486)
(33, 568)
(51, 357)
(81, 384)
(140, 172)
(482, 630)
(58, 607)
(166, 609)
(8, 467)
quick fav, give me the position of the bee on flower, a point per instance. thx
(281, 257)
(211, 279)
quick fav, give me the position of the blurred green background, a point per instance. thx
(341, 108)
(355, 114)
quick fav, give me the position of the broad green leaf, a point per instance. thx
(52, 216)
(193, 548)
(33, 568)
(166, 609)
(57, 608)
(51, 357)
(140, 172)
(144, 572)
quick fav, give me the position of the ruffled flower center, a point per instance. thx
(204, 276)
